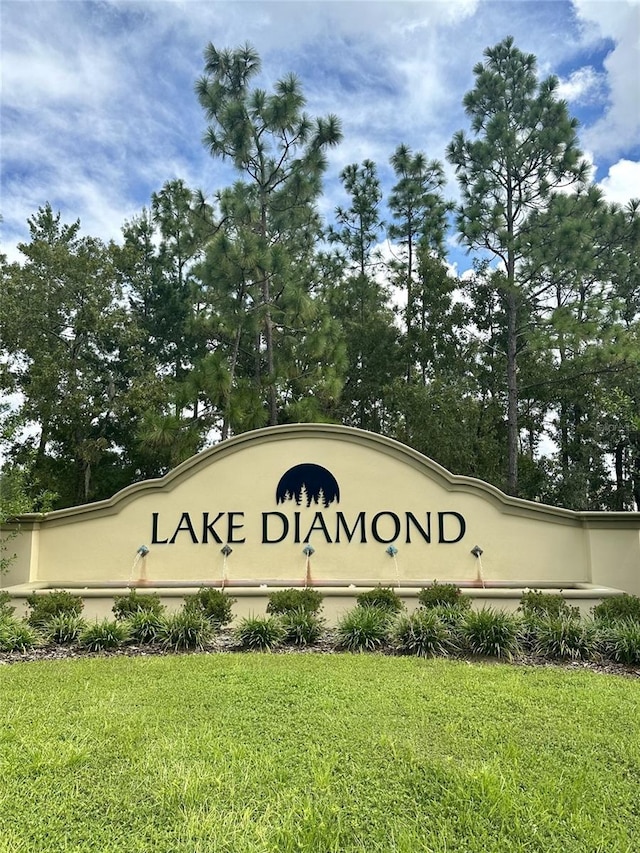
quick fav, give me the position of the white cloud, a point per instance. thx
(622, 183)
(581, 85)
(618, 21)
(100, 109)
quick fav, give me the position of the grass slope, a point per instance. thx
(259, 753)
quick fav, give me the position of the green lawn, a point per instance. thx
(316, 753)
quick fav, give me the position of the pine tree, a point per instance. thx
(523, 148)
(278, 152)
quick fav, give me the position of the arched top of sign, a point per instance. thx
(312, 483)
(308, 482)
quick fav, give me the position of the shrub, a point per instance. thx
(45, 606)
(535, 603)
(491, 632)
(64, 629)
(301, 627)
(363, 629)
(259, 633)
(621, 642)
(146, 627)
(16, 635)
(5, 604)
(214, 604)
(451, 614)
(423, 633)
(125, 606)
(104, 635)
(617, 608)
(565, 639)
(189, 629)
(289, 600)
(443, 595)
(528, 632)
(382, 598)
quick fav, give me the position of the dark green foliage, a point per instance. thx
(383, 598)
(64, 629)
(6, 609)
(301, 627)
(620, 642)
(214, 604)
(617, 608)
(423, 633)
(491, 632)
(533, 602)
(107, 634)
(271, 229)
(259, 633)
(291, 600)
(46, 605)
(565, 639)
(16, 635)
(125, 606)
(528, 633)
(146, 627)
(364, 628)
(359, 300)
(451, 614)
(64, 282)
(523, 147)
(188, 629)
(447, 594)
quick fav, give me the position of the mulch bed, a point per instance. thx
(224, 643)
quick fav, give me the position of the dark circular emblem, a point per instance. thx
(308, 482)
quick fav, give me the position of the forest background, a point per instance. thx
(213, 315)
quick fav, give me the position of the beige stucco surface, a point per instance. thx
(523, 543)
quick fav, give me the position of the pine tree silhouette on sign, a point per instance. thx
(308, 482)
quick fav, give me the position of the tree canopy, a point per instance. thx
(265, 304)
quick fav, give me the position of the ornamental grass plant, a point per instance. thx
(259, 633)
(64, 629)
(146, 627)
(452, 615)
(187, 630)
(620, 642)
(16, 635)
(301, 628)
(104, 635)
(363, 629)
(561, 638)
(424, 633)
(491, 633)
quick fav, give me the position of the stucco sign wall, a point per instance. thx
(329, 505)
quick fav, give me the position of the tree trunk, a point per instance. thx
(268, 337)
(268, 327)
(226, 425)
(512, 394)
(512, 349)
(619, 466)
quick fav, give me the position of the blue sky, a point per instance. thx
(98, 107)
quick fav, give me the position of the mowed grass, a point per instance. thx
(255, 753)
